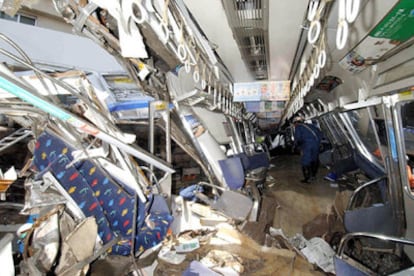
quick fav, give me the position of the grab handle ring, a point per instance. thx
(352, 9)
(203, 84)
(182, 52)
(165, 33)
(143, 15)
(341, 34)
(322, 59)
(314, 31)
(196, 76)
(313, 7)
(342, 10)
(316, 71)
(187, 66)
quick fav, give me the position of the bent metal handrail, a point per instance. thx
(7, 84)
(350, 236)
(363, 186)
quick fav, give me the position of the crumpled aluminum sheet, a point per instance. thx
(76, 247)
(45, 243)
(39, 196)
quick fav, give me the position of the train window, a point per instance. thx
(407, 119)
(337, 130)
(368, 131)
(326, 130)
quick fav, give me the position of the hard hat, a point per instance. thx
(298, 119)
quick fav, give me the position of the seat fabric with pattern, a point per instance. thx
(115, 206)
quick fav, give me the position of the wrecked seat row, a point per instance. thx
(115, 206)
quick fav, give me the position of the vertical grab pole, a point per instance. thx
(151, 115)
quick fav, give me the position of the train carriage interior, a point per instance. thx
(219, 137)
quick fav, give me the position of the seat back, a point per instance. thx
(114, 205)
(254, 161)
(233, 172)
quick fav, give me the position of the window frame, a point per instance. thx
(18, 18)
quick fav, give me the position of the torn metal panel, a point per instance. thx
(8, 85)
(40, 194)
(42, 241)
(172, 25)
(78, 246)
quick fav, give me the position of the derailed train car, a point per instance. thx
(99, 170)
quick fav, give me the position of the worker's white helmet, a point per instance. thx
(298, 119)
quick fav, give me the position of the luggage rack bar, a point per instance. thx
(14, 138)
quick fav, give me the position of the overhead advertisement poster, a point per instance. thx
(269, 123)
(261, 91)
(246, 92)
(265, 106)
(393, 30)
(268, 115)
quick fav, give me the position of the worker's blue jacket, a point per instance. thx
(308, 138)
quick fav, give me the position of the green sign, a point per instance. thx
(398, 25)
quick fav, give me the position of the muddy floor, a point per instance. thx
(288, 204)
(298, 203)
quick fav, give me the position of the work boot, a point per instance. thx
(306, 174)
(314, 169)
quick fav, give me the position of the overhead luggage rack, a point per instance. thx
(14, 138)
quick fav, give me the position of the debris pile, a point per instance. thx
(93, 194)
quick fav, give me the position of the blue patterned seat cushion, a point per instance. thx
(114, 205)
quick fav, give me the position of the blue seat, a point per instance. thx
(236, 168)
(371, 218)
(254, 161)
(233, 172)
(114, 205)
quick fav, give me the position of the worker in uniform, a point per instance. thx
(307, 139)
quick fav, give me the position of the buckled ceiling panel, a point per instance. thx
(248, 20)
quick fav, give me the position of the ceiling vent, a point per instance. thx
(248, 20)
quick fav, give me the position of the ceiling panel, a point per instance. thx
(285, 23)
(212, 19)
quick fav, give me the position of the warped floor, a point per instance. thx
(287, 204)
(298, 202)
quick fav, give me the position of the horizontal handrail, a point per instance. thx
(350, 236)
(363, 186)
